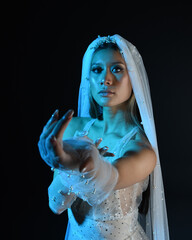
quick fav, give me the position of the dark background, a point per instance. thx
(42, 50)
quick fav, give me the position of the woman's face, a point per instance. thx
(109, 80)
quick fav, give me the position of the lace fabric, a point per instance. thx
(114, 218)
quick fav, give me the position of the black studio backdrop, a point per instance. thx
(44, 42)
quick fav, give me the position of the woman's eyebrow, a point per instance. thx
(97, 63)
(118, 62)
(112, 63)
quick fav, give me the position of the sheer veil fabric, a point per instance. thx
(156, 223)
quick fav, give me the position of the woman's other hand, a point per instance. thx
(88, 165)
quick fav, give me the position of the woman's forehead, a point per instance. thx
(107, 55)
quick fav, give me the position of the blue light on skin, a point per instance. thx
(109, 71)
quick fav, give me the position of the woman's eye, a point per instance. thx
(117, 69)
(96, 69)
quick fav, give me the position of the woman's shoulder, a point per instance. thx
(138, 142)
(76, 123)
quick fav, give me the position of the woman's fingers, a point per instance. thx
(64, 152)
(108, 154)
(46, 129)
(57, 145)
(62, 124)
(97, 142)
(103, 152)
(53, 118)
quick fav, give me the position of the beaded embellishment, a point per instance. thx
(102, 40)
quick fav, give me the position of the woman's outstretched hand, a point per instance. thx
(51, 140)
(66, 154)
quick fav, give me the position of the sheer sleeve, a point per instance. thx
(93, 186)
(59, 199)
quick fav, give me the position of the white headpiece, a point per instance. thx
(156, 219)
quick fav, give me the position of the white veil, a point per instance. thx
(156, 219)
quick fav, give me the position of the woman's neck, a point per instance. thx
(114, 120)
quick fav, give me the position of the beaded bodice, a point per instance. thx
(114, 218)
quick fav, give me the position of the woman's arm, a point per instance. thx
(136, 164)
(135, 168)
(102, 179)
(59, 200)
(138, 161)
(99, 177)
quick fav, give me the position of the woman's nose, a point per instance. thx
(107, 79)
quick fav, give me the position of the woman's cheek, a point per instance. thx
(94, 87)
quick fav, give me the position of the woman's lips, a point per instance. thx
(106, 93)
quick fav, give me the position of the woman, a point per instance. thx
(103, 189)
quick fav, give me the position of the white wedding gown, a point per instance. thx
(116, 217)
